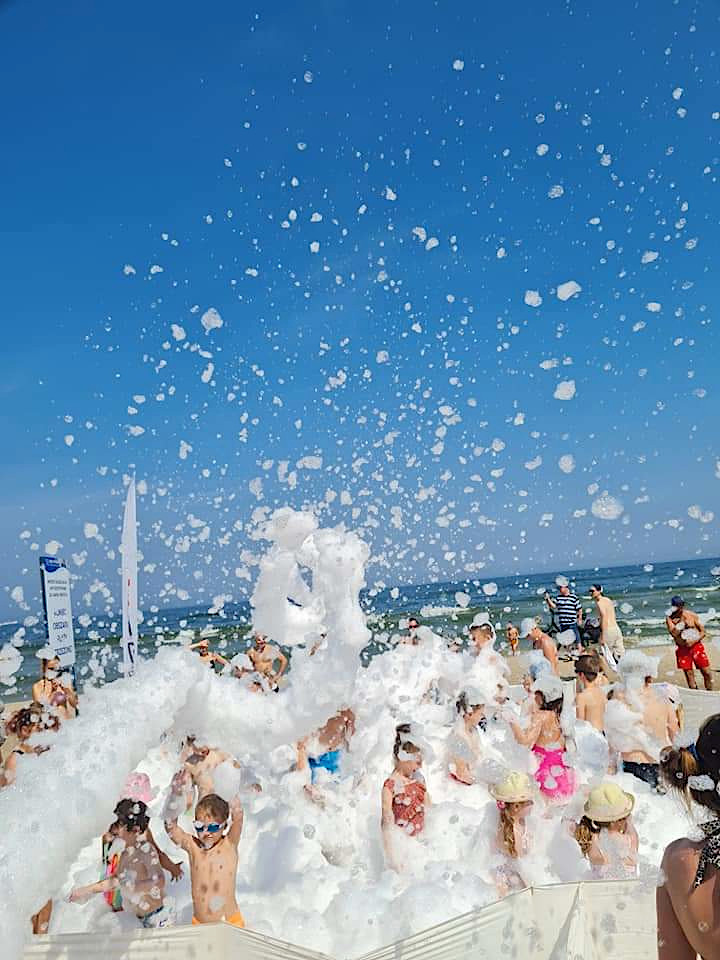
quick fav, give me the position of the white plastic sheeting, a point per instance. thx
(594, 921)
(698, 705)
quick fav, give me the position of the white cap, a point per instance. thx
(46, 653)
(526, 626)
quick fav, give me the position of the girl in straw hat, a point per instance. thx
(514, 798)
(606, 834)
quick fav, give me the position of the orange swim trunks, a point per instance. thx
(685, 657)
(236, 920)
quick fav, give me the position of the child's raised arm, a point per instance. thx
(174, 869)
(238, 816)
(173, 809)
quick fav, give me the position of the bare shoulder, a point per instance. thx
(682, 855)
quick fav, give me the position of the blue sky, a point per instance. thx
(292, 169)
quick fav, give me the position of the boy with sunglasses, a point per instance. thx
(213, 852)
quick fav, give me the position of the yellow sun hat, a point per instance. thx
(608, 803)
(515, 788)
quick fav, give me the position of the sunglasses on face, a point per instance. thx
(207, 827)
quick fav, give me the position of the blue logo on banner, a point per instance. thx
(51, 564)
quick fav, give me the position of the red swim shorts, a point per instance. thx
(685, 657)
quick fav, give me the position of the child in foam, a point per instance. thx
(139, 875)
(26, 723)
(322, 752)
(514, 798)
(606, 834)
(213, 852)
(688, 910)
(138, 789)
(51, 690)
(465, 744)
(404, 793)
(546, 738)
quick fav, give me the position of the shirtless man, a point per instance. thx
(541, 641)
(591, 700)
(611, 635)
(139, 875)
(213, 852)
(264, 656)
(688, 631)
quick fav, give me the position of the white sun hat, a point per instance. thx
(608, 803)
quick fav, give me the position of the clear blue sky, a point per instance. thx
(537, 143)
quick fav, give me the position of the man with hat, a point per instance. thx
(541, 641)
(688, 631)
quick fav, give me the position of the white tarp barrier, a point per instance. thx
(213, 941)
(698, 706)
(592, 921)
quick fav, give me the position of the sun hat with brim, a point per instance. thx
(515, 788)
(608, 803)
(138, 787)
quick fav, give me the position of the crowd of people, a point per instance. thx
(522, 745)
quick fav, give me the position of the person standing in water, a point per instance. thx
(688, 631)
(688, 908)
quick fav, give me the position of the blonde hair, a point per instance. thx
(507, 829)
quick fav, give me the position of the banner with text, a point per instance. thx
(55, 580)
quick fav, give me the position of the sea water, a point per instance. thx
(642, 593)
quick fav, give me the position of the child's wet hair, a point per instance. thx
(34, 715)
(403, 733)
(214, 806)
(132, 815)
(678, 765)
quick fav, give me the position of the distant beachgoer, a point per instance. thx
(264, 656)
(568, 609)
(465, 745)
(323, 751)
(404, 793)
(688, 910)
(639, 724)
(512, 635)
(688, 631)
(606, 834)
(213, 852)
(591, 698)
(514, 798)
(610, 634)
(411, 637)
(541, 641)
(545, 737)
(139, 875)
(50, 689)
(209, 656)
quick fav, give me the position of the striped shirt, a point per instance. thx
(567, 609)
